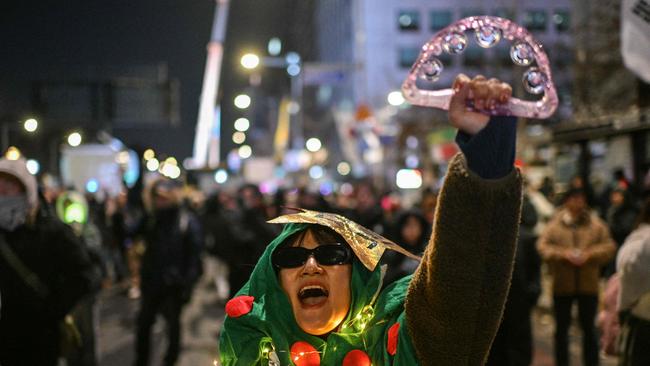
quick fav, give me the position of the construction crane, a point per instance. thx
(208, 125)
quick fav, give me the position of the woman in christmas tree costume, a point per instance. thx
(314, 296)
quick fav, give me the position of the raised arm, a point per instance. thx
(455, 300)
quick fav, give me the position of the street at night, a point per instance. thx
(325, 182)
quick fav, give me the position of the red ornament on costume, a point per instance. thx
(240, 305)
(356, 358)
(393, 334)
(304, 354)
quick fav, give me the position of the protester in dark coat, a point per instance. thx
(253, 233)
(171, 266)
(621, 218)
(513, 345)
(44, 272)
(224, 239)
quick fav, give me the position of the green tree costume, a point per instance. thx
(448, 310)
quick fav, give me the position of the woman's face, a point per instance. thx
(411, 231)
(319, 294)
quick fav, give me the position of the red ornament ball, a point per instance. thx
(240, 305)
(393, 334)
(356, 358)
(304, 354)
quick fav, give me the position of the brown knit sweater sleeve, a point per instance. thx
(456, 297)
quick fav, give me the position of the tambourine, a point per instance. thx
(488, 31)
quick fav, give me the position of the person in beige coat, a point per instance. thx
(576, 244)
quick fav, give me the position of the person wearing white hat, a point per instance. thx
(44, 272)
(18, 193)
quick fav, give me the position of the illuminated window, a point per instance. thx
(407, 56)
(471, 12)
(535, 20)
(504, 13)
(408, 20)
(439, 19)
(562, 20)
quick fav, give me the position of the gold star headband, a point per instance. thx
(366, 244)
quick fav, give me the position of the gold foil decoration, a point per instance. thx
(366, 244)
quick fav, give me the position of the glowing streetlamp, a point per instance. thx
(30, 125)
(153, 164)
(74, 139)
(238, 137)
(242, 101)
(250, 61)
(245, 151)
(148, 154)
(343, 168)
(275, 46)
(242, 124)
(313, 144)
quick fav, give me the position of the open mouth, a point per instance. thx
(313, 295)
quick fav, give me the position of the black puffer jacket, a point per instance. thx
(29, 321)
(174, 241)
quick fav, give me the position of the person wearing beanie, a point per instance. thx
(44, 271)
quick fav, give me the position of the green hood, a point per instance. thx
(270, 328)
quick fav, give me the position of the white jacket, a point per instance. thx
(633, 264)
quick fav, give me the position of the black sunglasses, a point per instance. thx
(327, 255)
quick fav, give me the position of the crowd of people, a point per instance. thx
(152, 241)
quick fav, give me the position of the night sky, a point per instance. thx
(59, 41)
(62, 41)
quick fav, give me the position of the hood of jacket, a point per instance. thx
(267, 330)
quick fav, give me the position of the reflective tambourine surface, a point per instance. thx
(487, 32)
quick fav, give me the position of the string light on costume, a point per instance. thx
(267, 351)
(360, 321)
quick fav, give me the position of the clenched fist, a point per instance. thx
(485, 94)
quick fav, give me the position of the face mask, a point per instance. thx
(13, 212)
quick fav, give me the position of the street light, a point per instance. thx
(74, 139)
(30, 125)
(242, 124)
(275, 46)
(245, 151)
(153, 164)
(313, 144)
(149, 154)
(238, 137)
(242, 101)
(292, 64)
(250, 61)
(343, 168)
